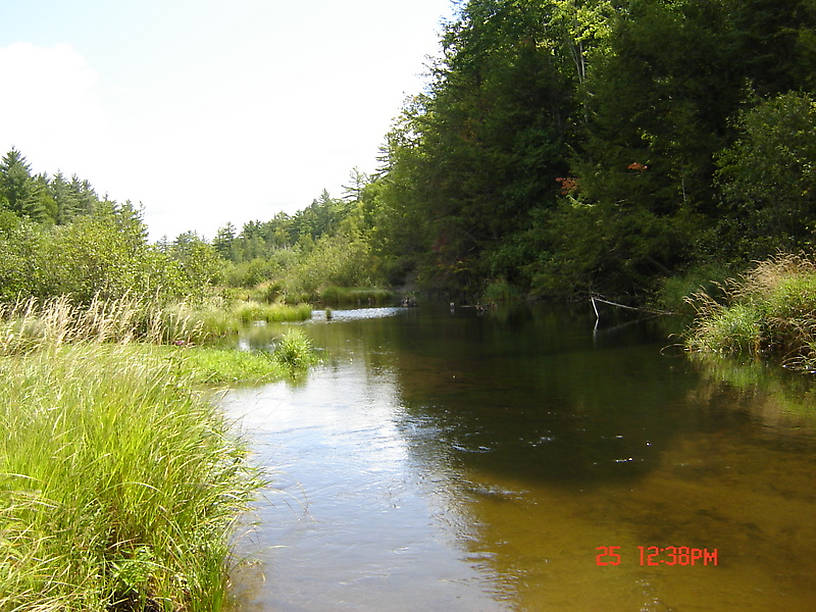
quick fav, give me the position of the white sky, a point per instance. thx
(208, 112)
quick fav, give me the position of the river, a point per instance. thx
(450, 461)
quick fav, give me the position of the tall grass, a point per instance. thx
(354, 296)
(119, 483)
(29, 323)
(250, 311)
(204, 322)
(770, 309)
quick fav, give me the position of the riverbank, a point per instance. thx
(218, 318)
(120, 480)
(769, 311)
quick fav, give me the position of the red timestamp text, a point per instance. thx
(653, 556)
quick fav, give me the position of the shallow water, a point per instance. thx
(457, 462)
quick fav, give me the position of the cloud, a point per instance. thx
(215, 115)
(51, 107)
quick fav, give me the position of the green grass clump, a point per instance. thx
(249, 312)
(119, 485)
(675, 291)
(294, 350)
(734, 329)
(355, 296)
(771, 309)
(218, 366)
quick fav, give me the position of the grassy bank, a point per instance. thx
(216, 366)
(216, 319)
(127, 319)
(355, 296)
(771, 310)
(119, 480)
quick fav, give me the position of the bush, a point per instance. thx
(768, 177)
(343, 260)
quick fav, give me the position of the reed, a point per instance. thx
(769, 310)
(28, 324)
(119, 481)
(119, 484)
(354, 296)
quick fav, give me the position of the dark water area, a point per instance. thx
(463, 462)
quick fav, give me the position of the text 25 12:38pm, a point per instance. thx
(656, 555)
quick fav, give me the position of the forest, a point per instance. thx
(632, 149)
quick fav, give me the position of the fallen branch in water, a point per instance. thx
(594, 299)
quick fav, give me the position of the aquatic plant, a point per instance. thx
(294, 350)
(355, 296)
(250, 311)
(770, 309)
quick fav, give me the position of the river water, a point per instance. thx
(449, 461)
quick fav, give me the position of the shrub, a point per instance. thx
(294, 350)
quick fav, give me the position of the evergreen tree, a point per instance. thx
(17, 188)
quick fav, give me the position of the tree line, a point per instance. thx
(560, 147)
(570, 146)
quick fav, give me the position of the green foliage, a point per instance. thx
(266, 240)
(736, 329)
(676, 291)
(771, 309)
(214, 366)
(499, 292)
(624, 106)
(39, 198)
(768, 177)
(250, 312)
(355, 296)
(20, 245)
(103, 254)
(118, 479)
(294, 351)
(205, 321)
(560, 147)
(198, 261)
(344, 259)
(259, 270)
(19, 191)
(116, 474)
(482, 148)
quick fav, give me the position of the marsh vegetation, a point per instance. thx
(120, 479)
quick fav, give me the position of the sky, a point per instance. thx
(209, 112)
